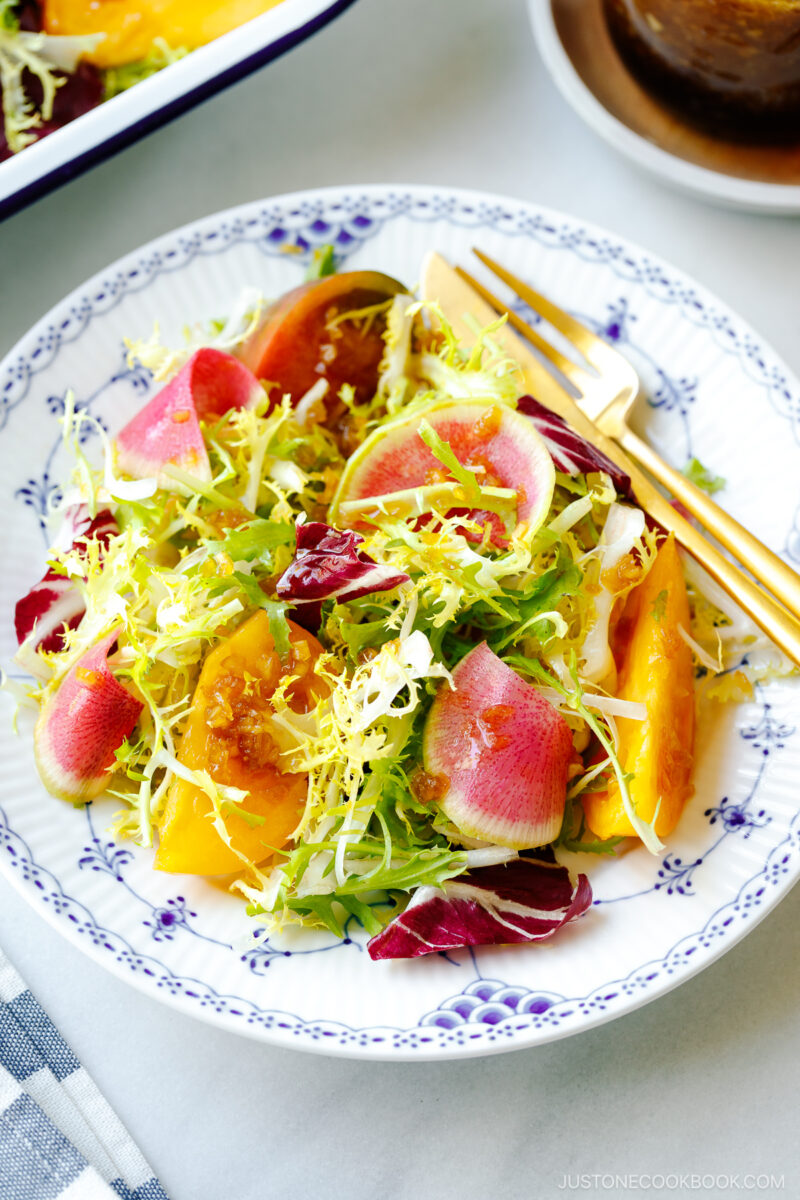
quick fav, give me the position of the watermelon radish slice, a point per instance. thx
(526, 900)
(501, 751)
(167, 430)
(81, 724)
(501, 446)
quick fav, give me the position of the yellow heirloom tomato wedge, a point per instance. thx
(655, 668)
(227, 734)
(131, 28)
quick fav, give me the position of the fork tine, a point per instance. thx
(574, 374)
(593, 349)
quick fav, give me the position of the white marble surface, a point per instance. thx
(700, 1082)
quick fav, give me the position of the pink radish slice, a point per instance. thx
(502, 751)
(526, 900)
(167, 430)
(55, 601)
(81, 724)
(500, 445)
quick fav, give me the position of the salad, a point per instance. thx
(61, 58)
(346, 619)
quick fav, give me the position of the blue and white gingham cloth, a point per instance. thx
(59, 1138)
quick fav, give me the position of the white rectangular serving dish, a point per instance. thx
(111, 126)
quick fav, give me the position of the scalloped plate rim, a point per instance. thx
(222, 1020)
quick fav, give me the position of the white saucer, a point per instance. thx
(579, 54)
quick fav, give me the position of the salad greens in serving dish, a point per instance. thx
(346, 619)
(61, 58)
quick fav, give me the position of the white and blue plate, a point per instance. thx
(717, 391)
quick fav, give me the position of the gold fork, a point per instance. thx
(606, 393)
(462, 297)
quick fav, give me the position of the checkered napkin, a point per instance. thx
(59, 1139)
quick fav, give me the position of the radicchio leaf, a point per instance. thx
(329, 566)
(29, 15)
(56, 601)
(525, 900)
(81, 725)
(570, 452)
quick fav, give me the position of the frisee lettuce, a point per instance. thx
(20, 53)
(323, 263)
(9, 16)
(46, 59)
(701, 477)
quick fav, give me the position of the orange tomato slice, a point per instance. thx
(130, 28)
(228, 735)
(656, 669)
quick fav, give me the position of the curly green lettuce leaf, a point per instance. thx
(322, 264)
(20, 52)
(701, 477)
(9, 18)
(164, 361)
(161, 54)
